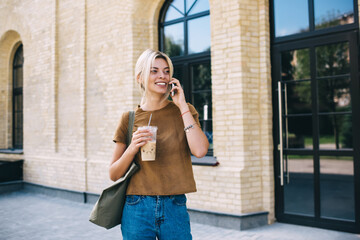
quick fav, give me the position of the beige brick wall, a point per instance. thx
(79, 67)
(109, 82)
(265, 102)
(70, 83)
(240, 43)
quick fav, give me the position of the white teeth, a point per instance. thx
(162, 84)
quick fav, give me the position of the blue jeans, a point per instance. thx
(151, 217)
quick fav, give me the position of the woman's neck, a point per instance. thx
(152, 104)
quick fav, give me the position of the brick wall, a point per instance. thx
(109, 82)
(241, 84)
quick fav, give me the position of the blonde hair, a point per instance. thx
(143, 67)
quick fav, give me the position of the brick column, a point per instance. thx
(241, 84)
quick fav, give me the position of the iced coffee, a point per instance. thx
(148, 151)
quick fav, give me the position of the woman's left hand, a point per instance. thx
(179, 96)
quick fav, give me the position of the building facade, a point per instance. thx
(67, 75)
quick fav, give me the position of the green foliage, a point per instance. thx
(171, 48)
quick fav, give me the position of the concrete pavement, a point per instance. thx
(29, 216)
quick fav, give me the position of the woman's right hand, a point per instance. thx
(123, 155)
(139, 139)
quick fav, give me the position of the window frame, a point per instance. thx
(17, 91)
(184, 20)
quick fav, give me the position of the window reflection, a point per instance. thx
(333, 59)
(192, 15)
(202, 103)
(297, 97)
(201, 96)
(201, 74)
(199, 35)
(202, 99)
(334, 95)
(295, 64)
(299, 132)
(299, 185)
(335, 131)
(18, 77)
(178, 72)
(291, 17)
(329, 13)
(337, 187)
(174, 39)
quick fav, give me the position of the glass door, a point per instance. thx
(316, 125)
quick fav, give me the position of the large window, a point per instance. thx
(185, 37)
(18, 99)
(309, 17)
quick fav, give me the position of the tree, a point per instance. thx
(172, 48)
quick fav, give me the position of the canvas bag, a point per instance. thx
(108, 209)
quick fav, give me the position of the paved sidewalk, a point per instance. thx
(30, 216)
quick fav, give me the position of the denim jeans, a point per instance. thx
(151, 217)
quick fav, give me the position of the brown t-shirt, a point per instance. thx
(171, 173)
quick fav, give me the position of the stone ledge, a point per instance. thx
(231, 221)
(72, 195)
(12, 151)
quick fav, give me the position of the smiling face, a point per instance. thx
(159, 77)
(153, 71)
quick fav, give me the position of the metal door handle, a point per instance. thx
(281, 146)
(286, 136)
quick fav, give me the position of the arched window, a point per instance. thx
(184, 29)
(18, 98)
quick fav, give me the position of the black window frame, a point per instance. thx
(184, 20)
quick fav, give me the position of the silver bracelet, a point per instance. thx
(187, 129)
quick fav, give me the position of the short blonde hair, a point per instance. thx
(143, 68)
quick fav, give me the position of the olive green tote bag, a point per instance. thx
(107, 211)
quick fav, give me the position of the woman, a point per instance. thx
(155, 204)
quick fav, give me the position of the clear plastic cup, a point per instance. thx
(148, 151)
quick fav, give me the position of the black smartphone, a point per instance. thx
(172, 86)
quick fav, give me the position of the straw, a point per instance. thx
(150, 119)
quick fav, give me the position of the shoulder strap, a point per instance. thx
(130, 126)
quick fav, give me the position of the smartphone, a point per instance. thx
(172, 86)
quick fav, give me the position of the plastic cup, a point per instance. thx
(148, 151)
